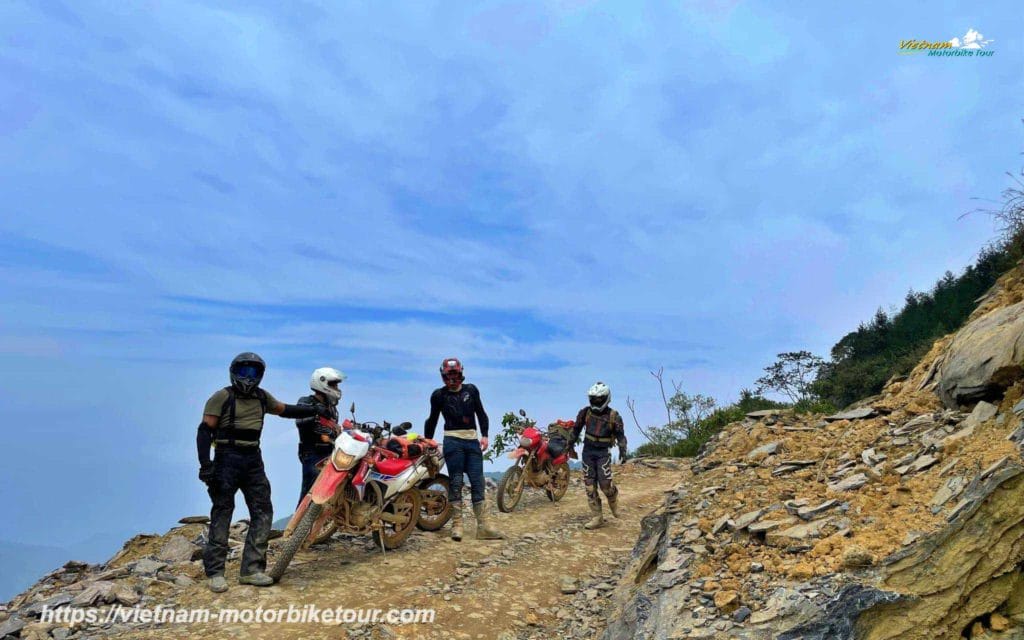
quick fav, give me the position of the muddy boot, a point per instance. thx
(456, 521)
(483, 532)
(613, 504)
(597, 520)
(595, 510)
(258, 579)
(217, 584)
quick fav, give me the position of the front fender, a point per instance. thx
(327, 484)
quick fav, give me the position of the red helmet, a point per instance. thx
(451, 371)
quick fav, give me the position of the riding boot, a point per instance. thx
(457, 521)
(595, 510)
(613, 503)
(483, 532)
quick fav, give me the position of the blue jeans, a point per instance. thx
(309, 471)
(464, 457)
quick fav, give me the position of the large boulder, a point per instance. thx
(984, 357)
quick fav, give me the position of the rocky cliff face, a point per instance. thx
(902, 518)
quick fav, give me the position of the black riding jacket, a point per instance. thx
(600, 429)
(461, 409)
(309, 439)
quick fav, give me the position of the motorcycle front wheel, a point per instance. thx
(324, 533)
(435, 510)
(559, 482)
(398, 519)
(510, 488)
(292, 544)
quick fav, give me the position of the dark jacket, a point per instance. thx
(310, 442)
(461, 409)
(599, 428)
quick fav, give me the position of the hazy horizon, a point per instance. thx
(554, 192)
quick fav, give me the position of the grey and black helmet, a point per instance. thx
(247, 372)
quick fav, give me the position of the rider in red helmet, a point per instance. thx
(463, 451)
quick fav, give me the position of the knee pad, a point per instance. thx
(609, 489)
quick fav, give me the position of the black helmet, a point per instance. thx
(247, 372)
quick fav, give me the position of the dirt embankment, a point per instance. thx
(898, 518)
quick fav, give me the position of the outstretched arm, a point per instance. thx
(294, 410)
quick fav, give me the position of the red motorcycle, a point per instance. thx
(541, 461)
(369, 485)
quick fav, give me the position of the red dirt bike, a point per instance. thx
(541, 461)
(364, 487)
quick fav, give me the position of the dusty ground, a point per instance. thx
(480, 589)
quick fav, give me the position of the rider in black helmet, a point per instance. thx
(233, 422)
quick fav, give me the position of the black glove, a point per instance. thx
(206, 473)
(622, 455)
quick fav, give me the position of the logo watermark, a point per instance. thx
(292, 614)
(971, 45)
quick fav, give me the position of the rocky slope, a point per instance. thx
(900, 518)
(548, 579)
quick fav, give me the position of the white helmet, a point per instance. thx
(326, 381)
(600, 395)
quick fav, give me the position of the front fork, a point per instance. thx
(323, 490)
(524, 463)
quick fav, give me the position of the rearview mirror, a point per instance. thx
(522, 412)
(352, 409)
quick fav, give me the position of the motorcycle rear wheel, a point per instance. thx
(510, 488)
(393, 535)
(560, 480)
(292, 544)
(435, 510)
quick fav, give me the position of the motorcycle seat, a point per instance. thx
(392, 466)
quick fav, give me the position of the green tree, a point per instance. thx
(793, 373)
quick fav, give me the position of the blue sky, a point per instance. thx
(556, 192)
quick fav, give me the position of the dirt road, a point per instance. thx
(480, 590)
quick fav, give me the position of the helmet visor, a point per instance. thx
(597, 401)
(333, 384)
(246, 370)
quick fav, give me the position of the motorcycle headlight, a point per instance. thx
(342, 460)
(525, 442)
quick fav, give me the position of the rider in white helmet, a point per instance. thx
(315, 441)
(601, 427)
